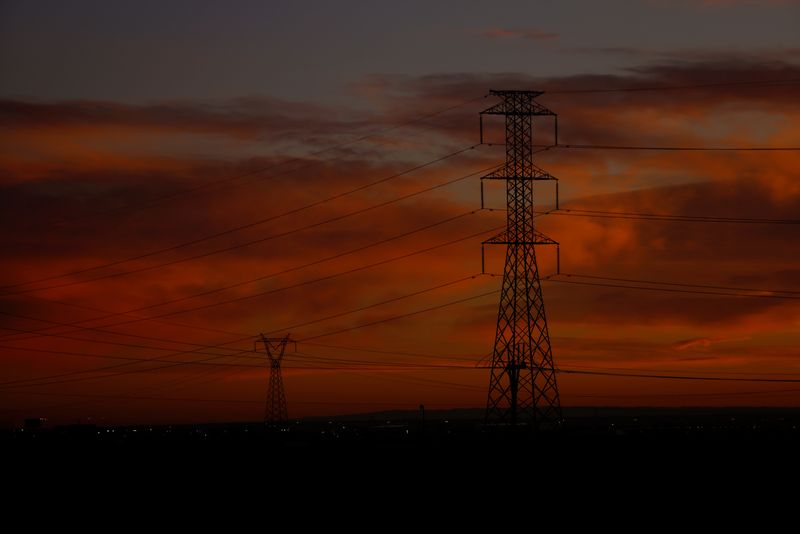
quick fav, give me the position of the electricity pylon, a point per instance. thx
(522, 385)
(275, 347)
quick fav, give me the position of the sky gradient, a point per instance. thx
(129, 134)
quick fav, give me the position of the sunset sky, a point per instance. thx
(179, 176)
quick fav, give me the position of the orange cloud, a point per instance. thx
(68, 165)
(702, 342)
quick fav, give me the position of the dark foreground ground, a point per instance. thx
(407, 432)
(672, 451)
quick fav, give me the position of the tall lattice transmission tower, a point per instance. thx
(275, 347)
(522, 386)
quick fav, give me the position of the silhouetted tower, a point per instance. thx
(275, 347)
(522, 386)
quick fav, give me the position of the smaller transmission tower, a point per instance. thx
(275, 347)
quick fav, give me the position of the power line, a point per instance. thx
(376, 304)
(215, 400)
(132, 358)
(672, 290)
(391, 364)
(417, 381)
(265, 277)
(42, 332)
(239, 228)
(174, 363)
(62, 378)
(130, 361)
(378, 404)
(680, 377)
(239, 354)
(580, 367)
(139, 397)
(677, 290)
(388, 366)
(576, 212)
(415, 312)
(110, 313)
(390, 352)
(301, 159)
(663, 148)
(315, 321)
(383, 366)
(201, 362)
(192, 377)
(643, 281)
(340, 347)
(679, 148)
(696, 371)
(303, 283)
(36, 332)
(401, 316)
(682, 284)
(249, 337)
(664, 217)
(246, 297)
(118, 344)
(720, 394)
(207, 346)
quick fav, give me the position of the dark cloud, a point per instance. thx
(704, 54)
(259, 118)
(533, 34)
(676, 71)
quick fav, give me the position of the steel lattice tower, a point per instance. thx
(276, 412)
(522, 386)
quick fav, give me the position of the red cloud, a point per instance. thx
(69, 160)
